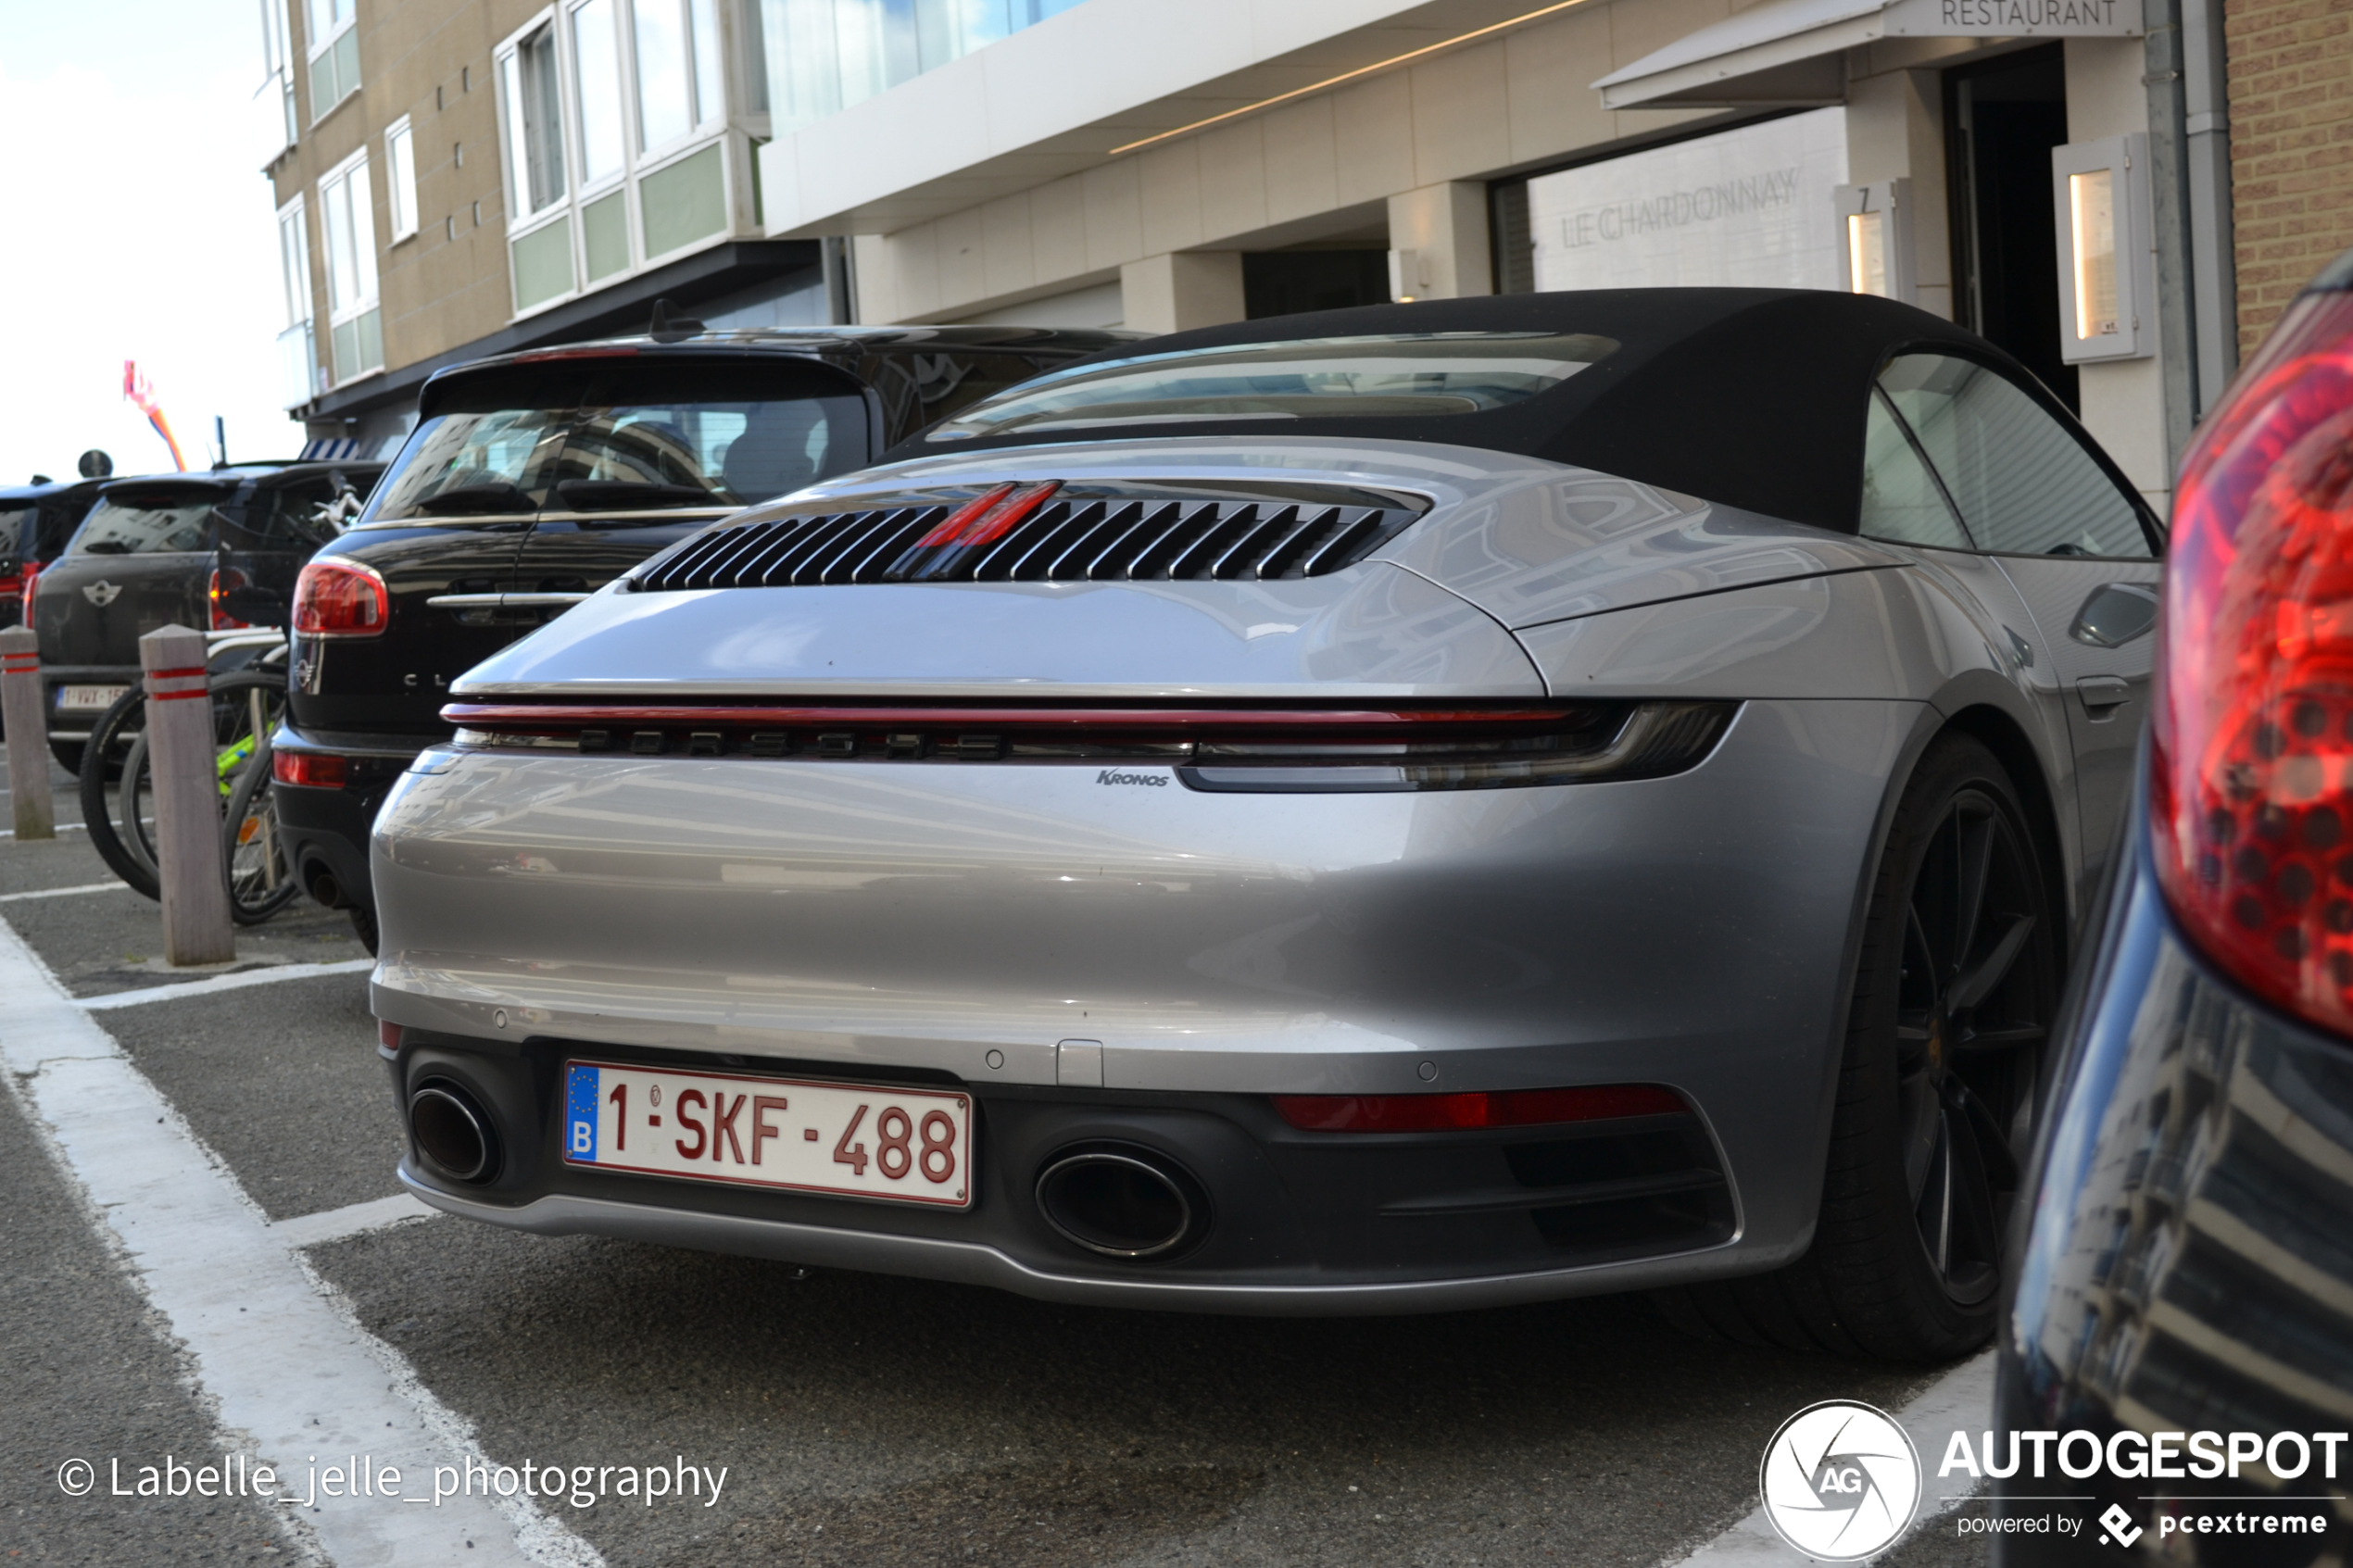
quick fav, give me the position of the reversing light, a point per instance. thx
(1466, 1112)
(340, 598)
(2251, 763)
(311, 770)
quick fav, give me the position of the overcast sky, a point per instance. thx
(139, 227)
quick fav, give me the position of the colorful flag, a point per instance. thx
(137, 388)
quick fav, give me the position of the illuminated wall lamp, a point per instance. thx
(2107, 257)
(1875, 240)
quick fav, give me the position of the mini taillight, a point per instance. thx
(1464, 1112)
(310, 769)
(31, 581)
(340, 598)
(2251, 766)
(224, 580)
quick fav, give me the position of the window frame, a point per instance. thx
(367, 284)
(313, 47)
(2151, 527)
(400, 180)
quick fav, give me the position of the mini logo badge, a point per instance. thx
(2119, 1525)
(102, 592)
(1839, 1481)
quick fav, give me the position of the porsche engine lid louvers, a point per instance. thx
(1045, 531)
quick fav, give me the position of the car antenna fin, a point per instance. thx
(667, 328)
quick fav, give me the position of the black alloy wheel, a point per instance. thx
(1955, 992)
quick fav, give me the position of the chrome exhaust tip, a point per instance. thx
(1122, 1202)
(453, 1133)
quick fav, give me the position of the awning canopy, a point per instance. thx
(1791, 52)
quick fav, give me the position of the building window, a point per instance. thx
(277, 73)
(334, 54)
(534, 123)
(596, 53)
(346, 221)
(678, 69)
(823, 55)
(298, 364)
(400, 179)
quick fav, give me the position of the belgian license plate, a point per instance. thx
(861, 1140)
(87, 700)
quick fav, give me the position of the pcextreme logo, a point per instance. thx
(1839, 1481)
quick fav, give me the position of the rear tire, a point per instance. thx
(104, 755)
(1954, 996)
(363, 926)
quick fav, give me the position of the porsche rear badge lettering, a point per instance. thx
(1157, 780)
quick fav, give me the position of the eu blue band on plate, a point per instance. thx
(580, 1111)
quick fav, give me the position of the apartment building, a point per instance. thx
(465, 176)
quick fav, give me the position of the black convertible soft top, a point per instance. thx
(1751, 398)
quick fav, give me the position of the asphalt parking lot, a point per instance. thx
(274, 1285)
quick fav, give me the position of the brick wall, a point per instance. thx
(2291, 101)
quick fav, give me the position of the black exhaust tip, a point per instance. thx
(452, 1132)
(1121, 1201)
(321, 884)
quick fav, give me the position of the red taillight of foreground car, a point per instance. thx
(309, 769)
(2251, 768)
(31, 579)
(1466, 1112)
(225, 579)
(340, 598)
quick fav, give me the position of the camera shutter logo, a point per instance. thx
(1839, 1481)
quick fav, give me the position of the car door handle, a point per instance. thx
(501, 601)
(2103, 695)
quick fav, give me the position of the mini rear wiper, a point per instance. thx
(624, 494)
(493, 496)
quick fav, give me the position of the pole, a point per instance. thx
(196, 929)
(27, 726)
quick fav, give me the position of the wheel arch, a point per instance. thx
(2001, 733)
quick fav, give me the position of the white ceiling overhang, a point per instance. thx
(1792, 52)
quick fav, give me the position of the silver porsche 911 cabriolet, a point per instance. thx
(1408, 807)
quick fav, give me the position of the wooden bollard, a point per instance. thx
(181, 762)
(28, 725)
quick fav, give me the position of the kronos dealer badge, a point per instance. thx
(1839, 1481)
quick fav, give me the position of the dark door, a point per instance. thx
(2074, 541)
(2002, 119)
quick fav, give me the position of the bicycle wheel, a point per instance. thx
(246, 705)
(105, 754)
(260, 882)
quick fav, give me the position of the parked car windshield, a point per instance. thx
(646, 437)
(136, 524)
(1410, 374)
(19, 526)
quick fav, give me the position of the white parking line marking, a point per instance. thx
(62, 892)
(352, 1219)
(271, 976)
(293, 1372)
(1961, 1401)
(62, 827)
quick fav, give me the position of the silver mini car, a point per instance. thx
(1410, 808)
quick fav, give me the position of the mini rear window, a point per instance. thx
(17, 527)
(1389, 375)
(144, 525)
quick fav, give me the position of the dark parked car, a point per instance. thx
(169, 549)
(2185, 1297)
(35, 522)
(532, 480)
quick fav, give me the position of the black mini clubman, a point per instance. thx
(532, 480)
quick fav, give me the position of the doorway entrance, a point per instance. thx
(2002, 119)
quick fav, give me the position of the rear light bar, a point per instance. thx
(1468, 1112)
(1213, 749)
(31, 579)
(340, 598)
(2251, 760)
(311, 770)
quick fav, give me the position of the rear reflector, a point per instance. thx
(310, 768)
(388, 1034)
(1443, 1113)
